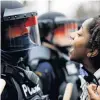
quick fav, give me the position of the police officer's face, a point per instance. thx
(80, 41)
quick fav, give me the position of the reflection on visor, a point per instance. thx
(28, 27)
(61, 34)
(16, 29)
(65, 29)
(31, 21)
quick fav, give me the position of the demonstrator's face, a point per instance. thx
(80, 41)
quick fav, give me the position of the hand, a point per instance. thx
(93, 93)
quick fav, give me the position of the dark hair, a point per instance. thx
(94, 30)
(94, 42)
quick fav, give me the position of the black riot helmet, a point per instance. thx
(19, 30)
(16, 18)
(55, 26)
(47, 22)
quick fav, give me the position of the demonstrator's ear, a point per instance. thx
(93, 53)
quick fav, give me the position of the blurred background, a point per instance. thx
(80, 9)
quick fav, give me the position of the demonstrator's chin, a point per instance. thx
(72, 58)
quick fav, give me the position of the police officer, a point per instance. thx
(55, 30)
(19, 36)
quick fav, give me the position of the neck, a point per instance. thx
(89, 65)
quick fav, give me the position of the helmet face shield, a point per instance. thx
(62, 32)
(22, 29)
(32, 27)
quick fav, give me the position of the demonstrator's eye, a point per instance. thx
(79, 34)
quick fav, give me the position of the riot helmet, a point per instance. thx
(19, 30)
(55, 26)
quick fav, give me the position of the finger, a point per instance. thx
(98, 90)
(93, 94)
(92, 86)
(68, 91)
(91, 90)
